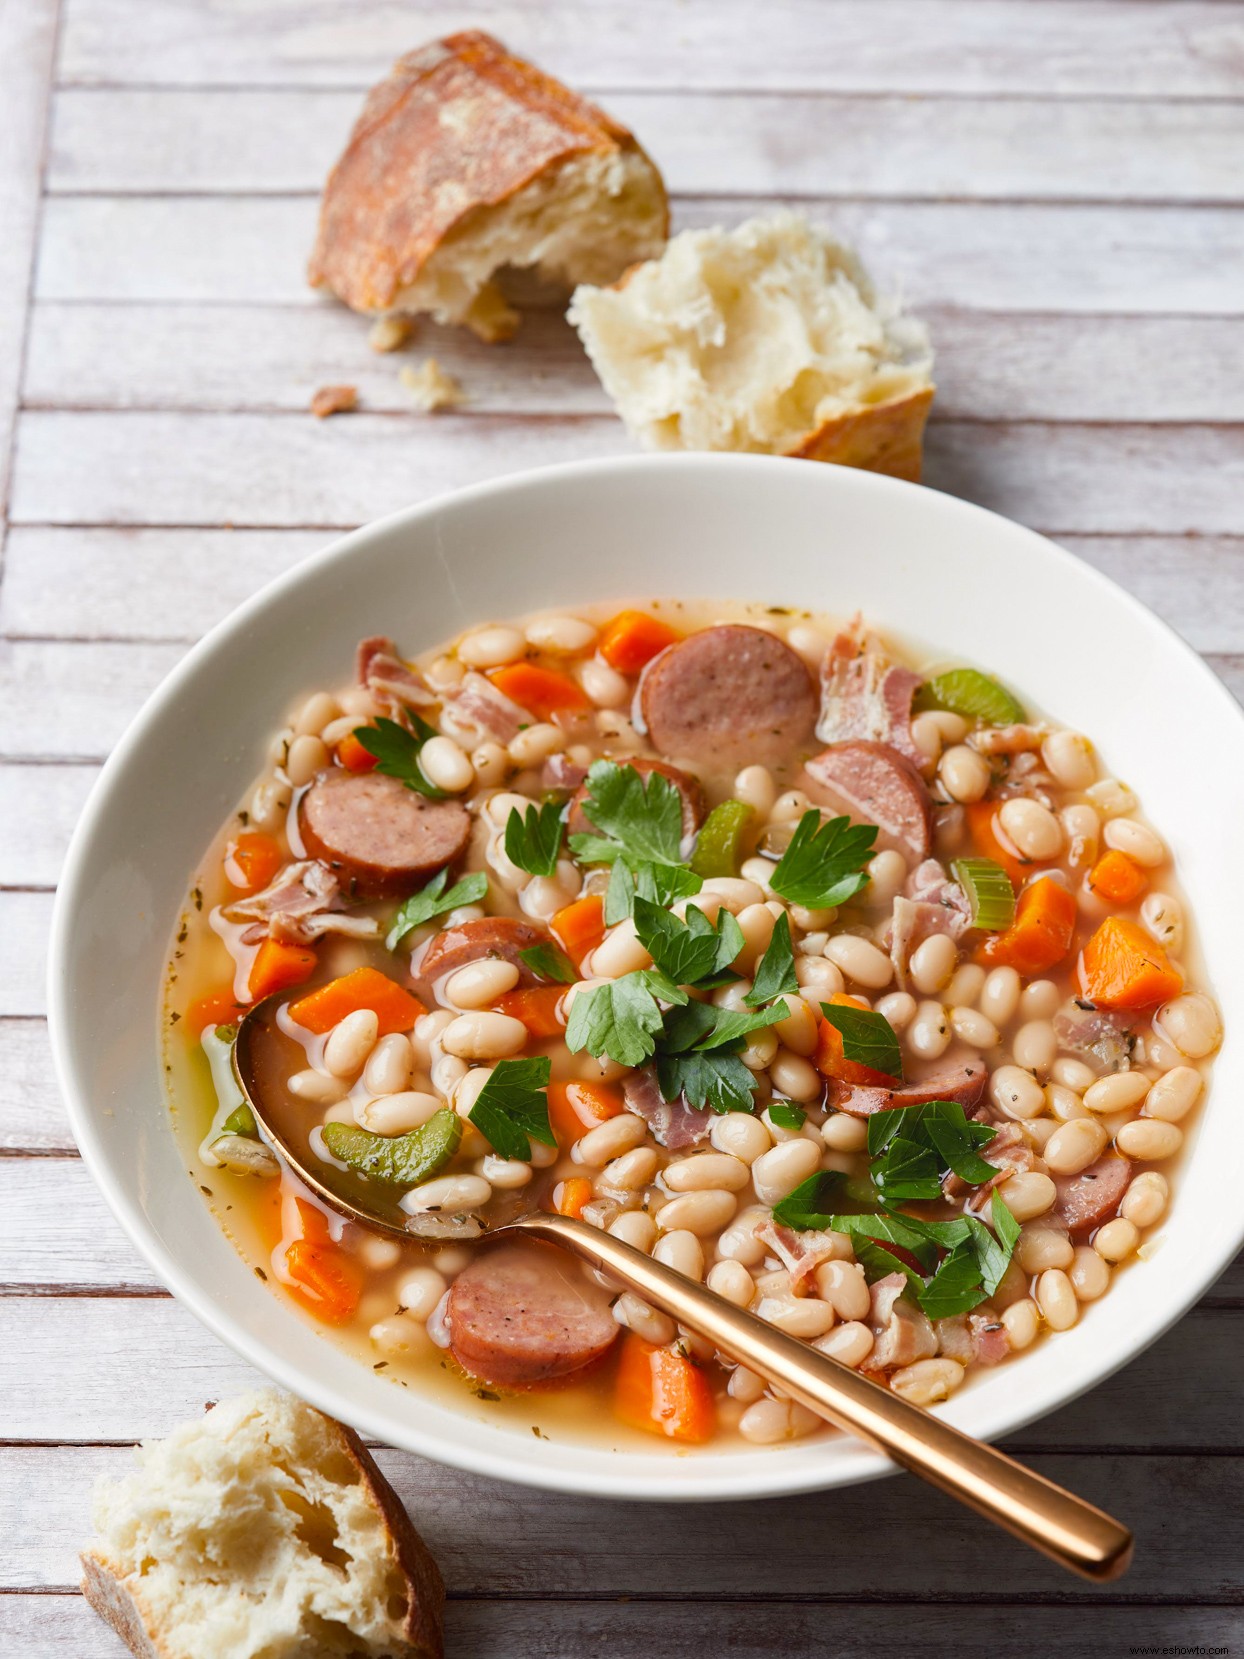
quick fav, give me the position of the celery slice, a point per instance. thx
(241, 1121)
(974, 695)
(399, 1160)
(989, 892)
(718, 847)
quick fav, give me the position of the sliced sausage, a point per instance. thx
(382, 839)
(524, 1315)
(1090, 1198)
(874, 784)
(503, 936)
(966, 1084)
(728, 696)
(578, 822)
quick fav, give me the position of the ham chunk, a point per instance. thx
(903, 1333)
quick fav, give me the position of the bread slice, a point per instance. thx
(768, 337)
(263, 1531)
(466, 160)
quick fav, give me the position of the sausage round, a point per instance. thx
(1090, 1198)
(382, 839)
(729, 696)
(578, 822)
(874, 784)
(503, 936)
(966, 1084)
(524, 1314)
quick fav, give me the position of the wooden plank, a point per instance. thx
(271, 470)
(662, 1551)
(39, 806)
(260, 358)
(27, 45)
(1164, 49)
(24, 921)
(32, 1114)
(74, 701)
(1195, 584)
(219, 141)
(996, 257)
(152, 1364)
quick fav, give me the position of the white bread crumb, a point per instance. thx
(390, 333)
(430, 387)
(262, 1531)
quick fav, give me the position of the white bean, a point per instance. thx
(479, 984)
(1034, 1046)
(1138, 841)
(964, 986)
(507, 1173)
(974, 1028)
(706, 1169)
(744, 1137)
(769, 1421)
(1116, 1092)
(1072, 1074)
(1063, 1103)
(1040, 999)
(1042, 1248)
(1032, 827)
(849, 1344)
(898, 1009)
(1162, 918)
(928, 1035)
(803, 1316)
(932, 963)
(843, 1133)
(777, 1173)
(683, 1252)
(701, 1213)
(630, 1170)
(491, 763)
(739, 1242)
(350, 1042)
(447, 1192)
(634, 1227)
(1069, 758)
(315, 1087)
(635, 1314)
(491, 647)
(964, 774)
(1057, 1300)
(604, 685)
(307, 756)
(268, 805)
(389, 1065)
(1022, 1320)
(536, 743)
(798, 1031)
(796, 1077)
(1028, 1194)
(610, 1139)
(1149, 1139)
(754, 786)
(860, 960)
(745, 1385)
(397, 1114)
(1016, 1092)
(736, 894)
(484, 1035)
(927, 1381)
(420, 1290)
(1145, 1200)
(1089, 1274)
(1191, 1023)
(469, 1089)
(316, 712)
(731, 1280)
(999, 996)
(1111, 798)
(620, 952)
(756, 922)
(1116, 1241)
(560, 636)
(793, 804)
(1075, 1146)
(844, 1287)
(819, 979)
(400, 1336)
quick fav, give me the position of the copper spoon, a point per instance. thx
(1057, 1523)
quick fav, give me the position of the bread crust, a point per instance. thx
(882, 437)
(458, 126)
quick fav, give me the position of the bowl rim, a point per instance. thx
(764, 1476)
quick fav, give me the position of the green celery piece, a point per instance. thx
(974, 695)
(718, 846)
(989, 892)
(241, 1121)
(399, 1160)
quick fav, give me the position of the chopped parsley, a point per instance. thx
(775, 974)
(787, 1115)
(693, 952)
(396, 751)
(512, 1108)
(824, 864)
(433, 900)
(868, 1038)
(550, 963)
(641, 828)
(533, 840)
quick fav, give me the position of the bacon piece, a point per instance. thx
(864, 697)
(1098, 1036)
(913, 921)
(1008, 1152)
(475, 709)
(954, 1338)
(989, 1337)
(800, 1253)
(673, 1123)
(391, 681)
(1008, 740)
(903, 1333)
(304, 902)
(560, 772)
(928, 883)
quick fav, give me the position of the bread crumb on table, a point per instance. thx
(390, 333)
(430, 387)
(334, 400)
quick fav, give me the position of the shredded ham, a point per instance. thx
(303, 903)
(912, 921)
(391, 681)
(1101, 1038)
(560, 772)
(673, 1122)
(1007, 740)
(800, 1253)
(991, 1344)
(476, 710)
(903, 1334)
(1008, 1152)
(928, 883)
(954, 1338)
(864, 697)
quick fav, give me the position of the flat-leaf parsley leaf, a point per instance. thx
(824, 864)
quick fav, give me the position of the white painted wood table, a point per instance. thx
(1057, 186)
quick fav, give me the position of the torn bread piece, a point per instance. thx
(262, 1531)
(466, 160)
(431, 387)
(770, 338)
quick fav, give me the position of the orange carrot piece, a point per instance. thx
(574, 1108)
(983, 829)
(325, 1280)
(353, 756)
(252, 861)
(1122, 967)
(830, 1060)
(633, 638)
(580, 927)
(1040, 935)
(663, 1392)
(1118, 878)
(394, 1007)
(216, 1008)
(571, 1195)
(278, 966)
(541, 691)
(538, 1007)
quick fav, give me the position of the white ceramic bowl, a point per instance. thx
(971, 585)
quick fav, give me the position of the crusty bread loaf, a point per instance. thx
(768, 337)
(466, 160)
(264, 1529)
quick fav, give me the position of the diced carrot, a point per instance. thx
(574, 1108)
(216, 1008)
(1122, 967)
(571, 1195)
(252, 861)
(662, 1391)
(327, 1281)
(580, 927)
(278, 966)
(353, 756)
(829, 1056)
(541, 691)
(394, 1007)
(985, 838)
(632, 639)
(300, 1218)
(1040, 935)
(1118, 878)
(538, 1007)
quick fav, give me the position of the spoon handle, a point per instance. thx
(1062, 1526)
